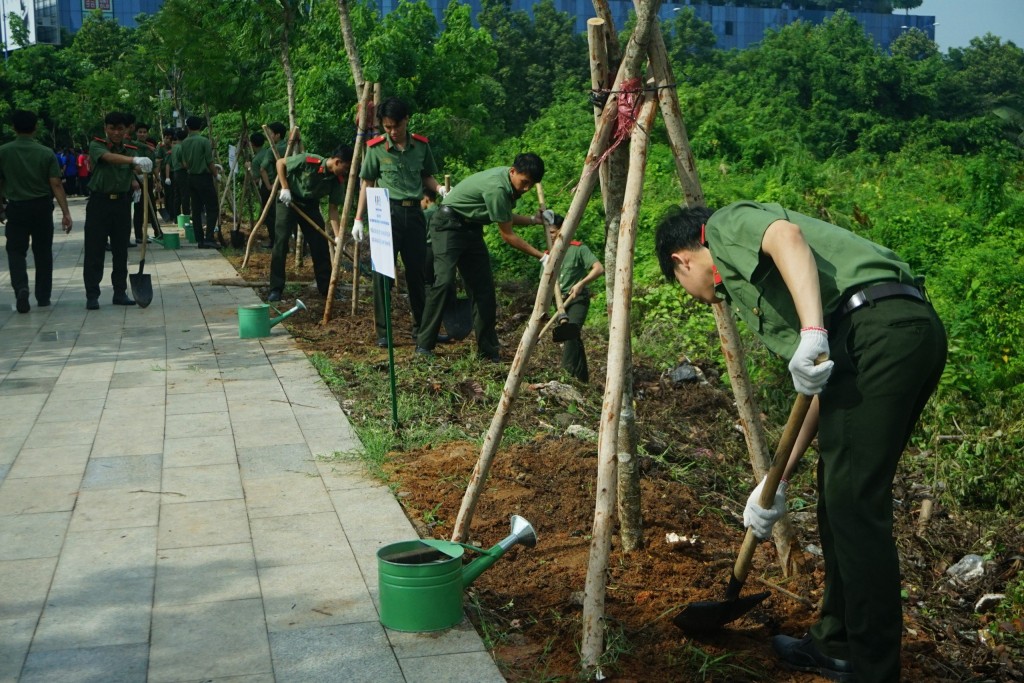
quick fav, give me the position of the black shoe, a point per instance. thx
(22, 305)
(43, 304)
(382, 342)
(202, 245)
(493, 359)
(211, 244)
(275, 295)
(803, 655)
(122, 299)
(443, 338)
(426, 353)
(92, 304)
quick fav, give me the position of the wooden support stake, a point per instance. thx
(355, 247)
(351, 195)
(292, 138)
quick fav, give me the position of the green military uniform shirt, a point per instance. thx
(269, 162)
(176, 159)
(308, 178)
(576, 266)
(484, 197)
(25, 169)
(257, 163)
(196, 154)
(109, 178)
(401, 172)
(754, 287)
(160, 160)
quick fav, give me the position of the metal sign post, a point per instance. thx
(382, 260)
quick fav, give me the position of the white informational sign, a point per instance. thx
(233, 158)
(378, 214)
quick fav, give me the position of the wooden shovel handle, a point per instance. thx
(559, 304)
(145, 215)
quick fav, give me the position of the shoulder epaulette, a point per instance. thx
(127, 146)
(312, 160)
(421, 138)
(576, 244)
(103, 140)
(375, 141)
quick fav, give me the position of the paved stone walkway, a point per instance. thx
(170, 509)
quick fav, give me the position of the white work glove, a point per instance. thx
(543, 262)
(285, 197)
(442, 191)
(357, 230)
(167, 182)
(144, 164)
(762, 520)
(218, 168)
(549, 216)
(136, 196)
(809, 378)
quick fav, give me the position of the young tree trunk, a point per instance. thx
(292, 140)
(615, 386)
(286, 61)
(588, 178)
(350, 48)
(351, 195)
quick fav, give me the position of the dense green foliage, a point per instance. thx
(918, 150)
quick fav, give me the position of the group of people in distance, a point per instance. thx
(853, 319)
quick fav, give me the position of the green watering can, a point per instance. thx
(421, 582)
(255, 321)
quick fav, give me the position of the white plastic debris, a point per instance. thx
(677, 542)
(969, 568)
(988, 601)
(813, 550)
(582, 433)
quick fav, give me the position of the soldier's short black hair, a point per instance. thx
(144, 126)
(168, 132)
(24, 121)
(117, 118)
(131, 118)
(194, 123)
(151, 140)
(343, 152)
(257, 139)
(180, 134)
(681, 229)
(279, 128)
(392, 108)
(531, 165)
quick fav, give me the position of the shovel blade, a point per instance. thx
(709, 615)
(142, 288)
(457, 317)
(564, 332)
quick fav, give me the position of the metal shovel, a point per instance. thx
(564, 331)
(142, 285)
(709, 614)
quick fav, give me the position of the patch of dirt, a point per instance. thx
(529, 603)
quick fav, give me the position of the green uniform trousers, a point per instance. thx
(31, 219)
(182, 194)
(287, 220)
(108, 219)
(409, 238)
(460, 246)
(888, 357)
(574, 356)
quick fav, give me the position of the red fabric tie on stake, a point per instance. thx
(628, 105)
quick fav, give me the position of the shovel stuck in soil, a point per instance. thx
(709, 614)
(142, 285)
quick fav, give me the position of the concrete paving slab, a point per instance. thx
(213, 573)
(117, 554)
(203, 641)
(29, 536)
(126, 471)
(198, 450)
(215, 522)
(186, 404)
(44, 462)
(15, 638)
(85, 409)
(111, 664)
(330, 654)
(115, 508)
(71, 432)
(269, 461)
(299, 539)
(306, 595)
(200, 483)
(38, 494)
(287, 494)
(97, 611)
(24, 585)
(466, 667)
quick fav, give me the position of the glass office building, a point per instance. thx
(53, 16)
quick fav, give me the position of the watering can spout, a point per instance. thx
(522, 532)
(299, 306)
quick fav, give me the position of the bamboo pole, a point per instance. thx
(618, 344)
(636, 51)
(355, 246)
(292, 138)
(351, 194)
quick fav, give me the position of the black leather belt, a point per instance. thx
(406, 202)
(885, 290)
(115, 195)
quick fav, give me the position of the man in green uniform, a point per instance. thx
(197, 157)
(402, 163)
(808, 288)
(108, 215)
(266, 170)
(162, 173)
(30, 179)
(179, 177)
(457, 237)
(579, 268)
(305, 178)
(147, 149)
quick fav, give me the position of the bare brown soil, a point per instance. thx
(529, 604)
